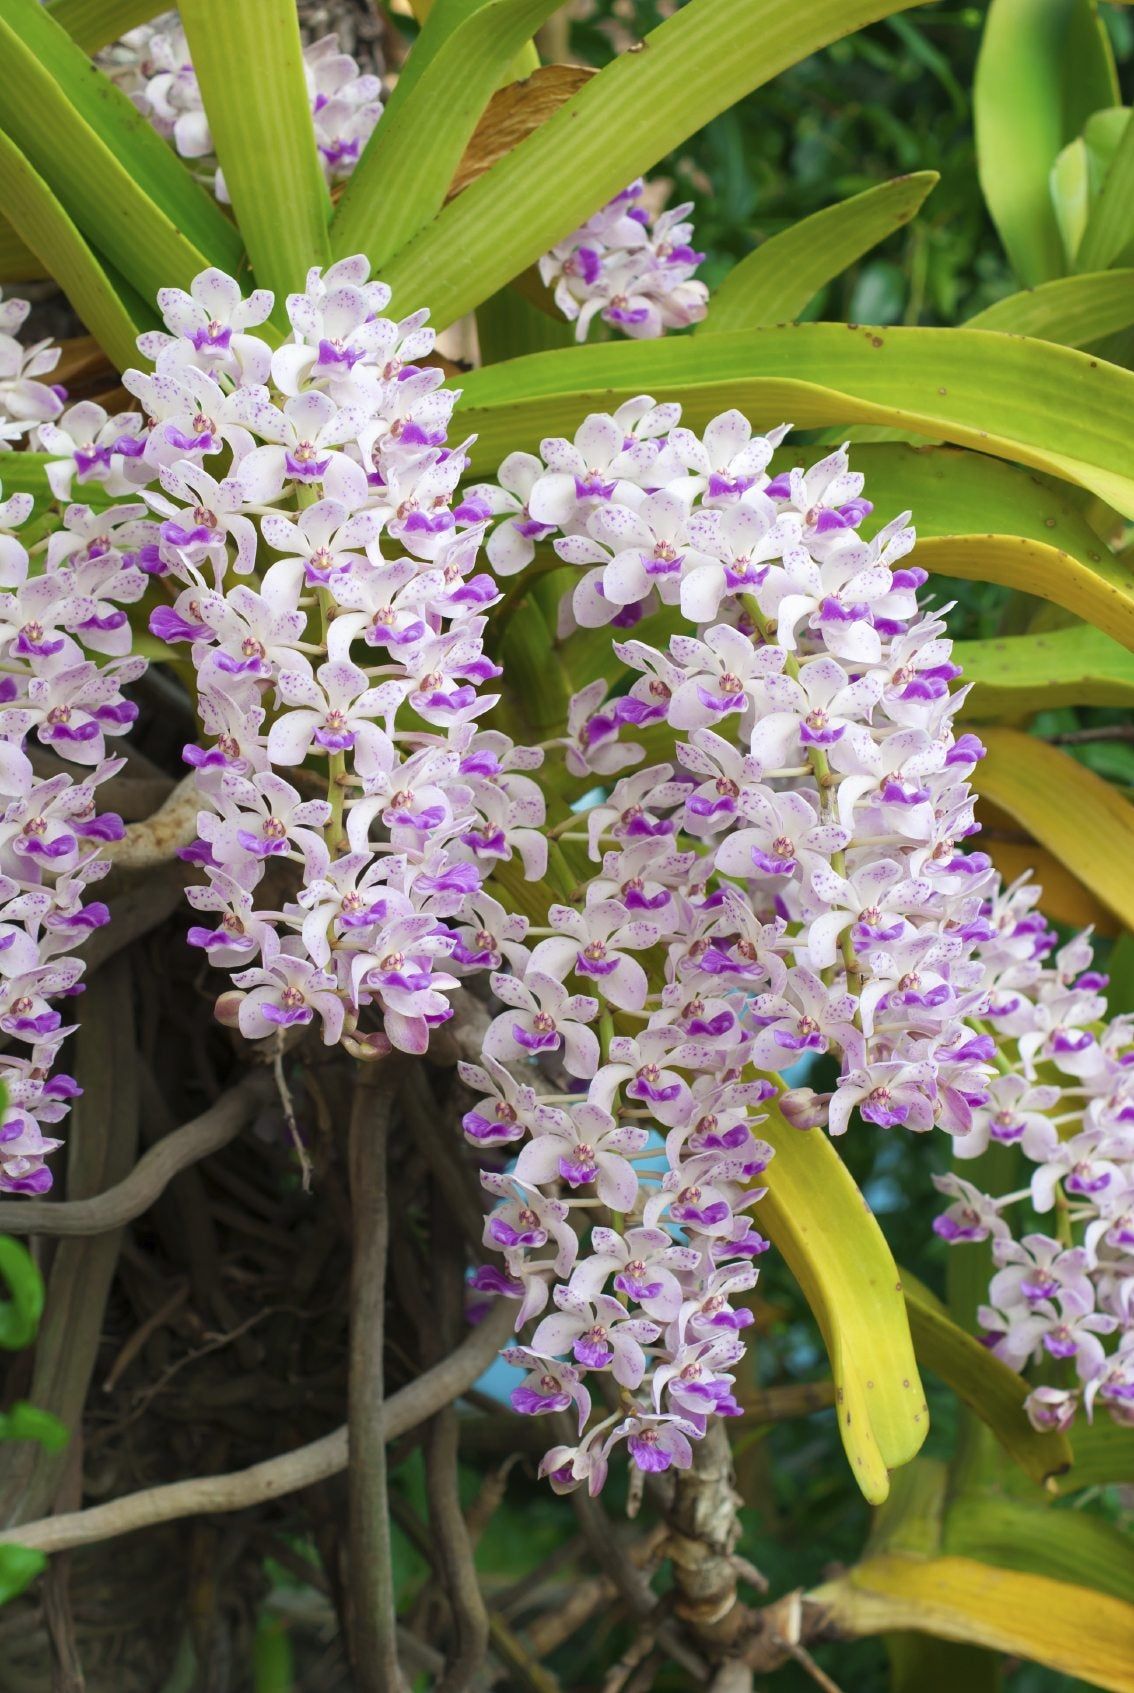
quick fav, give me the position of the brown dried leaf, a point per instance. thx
(513, 113)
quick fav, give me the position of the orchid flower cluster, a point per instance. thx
(152, 64)
(26, 400)
(634, 273)
(790, 885)
(64, 660)
(1064, 1098)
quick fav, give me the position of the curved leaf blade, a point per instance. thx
(1044, 66)
(1067, 808)
(21, 1310)
(631, 114)
(1016, 675)
(1068, 1628)
(831, 1242)
(1038, 1539)
(50, 232)
(96, 23)
(1049, 407)
(1110, 222)
(265, 141)
(1072, 310)
(17, 261)
(400, 183)
(982, 1382)
(102, 158)
(774, 283)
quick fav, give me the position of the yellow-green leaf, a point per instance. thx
(96, 23)
(1041, 1539)
(828, 1236)
(263, 134)
(982, 1382)
(1110, 222)
(17, 261)
(1068, 1628)
(1072, 310)
(1044, 66)
(1050, 407)
(45, 225)
(1067, 808)
(1019, 674)
(636, 110)
(774, 283)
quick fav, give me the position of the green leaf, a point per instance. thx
(1104, 1455)
(103, 159)
(637, 109)
(96, 23)
(17, 261)
(28, 1422)
(989, 522)
(919, 1664)
(1072, 812)
(49, 231)
(249, 64)
(21, 1311)
(1067, 1545)
(982, 1382)
(1049, 407)
(1044, 66)
(1072, 310)
(19, 1565)
(775, 283)
(1068, 1628)
(1110, 223)
(1016, 675)
(401, 180)
(828, 1236)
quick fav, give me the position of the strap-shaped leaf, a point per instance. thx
(1041, 1539)
(1110, 223)
(982, 1382)
(1068, 1628)
(1072, 310)
(402, 179)
(44, 224)
(822, 1226)
(17, 261)
(1018, 674)
(123, 185)
(96, 23)
(22, 1306)
(774, 283)
(636, 110)
(248, 57)
(1104, 1454)
(1044, 66)
(1067, 808)
(1050, 407)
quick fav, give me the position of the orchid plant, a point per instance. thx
(572, 689)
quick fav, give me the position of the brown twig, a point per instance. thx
(372, 1614)
(275, 1477)
(150, 1176)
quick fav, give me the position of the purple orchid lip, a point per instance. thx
(38, 847)
(213, 939)
(820, 737)
(636, 1286)
(306, 470)
(698, 806)
(492, 843)
(592, 487)
(595, 966)
(594, 1353)
(332, 356)
(262, 845)
(169, 626)
(505, 1235)
(771, 864)
(334, 740)
(206, 442)
(532, 1404)
(720, 704)
(532, 1040)
(214, 337)
(576, 1172)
